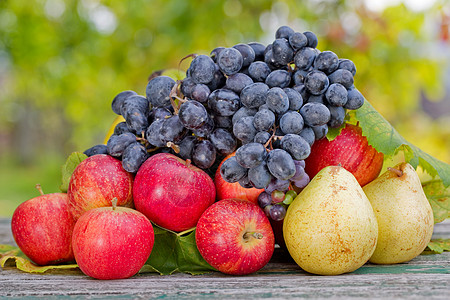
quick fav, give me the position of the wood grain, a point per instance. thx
(427, 276)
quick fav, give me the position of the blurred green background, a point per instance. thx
(63, 61)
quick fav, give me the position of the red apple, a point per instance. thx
(171, 192)
(226, 190)
(96, 181)
(112, 242)
(235, 237)
(351, 150)
(42, 228)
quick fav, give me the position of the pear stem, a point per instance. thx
(396, 171)
(114, 203)
(39, 188)
(256, 235)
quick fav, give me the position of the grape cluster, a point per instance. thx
(268, 104)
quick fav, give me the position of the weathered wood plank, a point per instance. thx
(425, 276)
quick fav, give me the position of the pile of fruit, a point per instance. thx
(254, 118)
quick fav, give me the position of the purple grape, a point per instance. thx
(277, 212)
(264, 199)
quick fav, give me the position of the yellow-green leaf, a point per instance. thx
(439, 198)
(437, 246)
(71, 163)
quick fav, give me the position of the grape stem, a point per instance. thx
(273, 137)
(174, 94)
(175, 147)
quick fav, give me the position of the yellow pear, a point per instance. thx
(404, 215)
(330, 227)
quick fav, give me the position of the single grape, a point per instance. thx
(304, 58)
(303, 182)
(237, 82)
(118, 100)
(277, 196)
(230, 61)
(320, 131)
(277, 100)
(259, 71)
(337, 116)
(186, 145)
(284, 32)
(259, 49)
(307, 134)
(299, 171)
(326, 61)
(291, 122)
(280, 164)
(263, 120)
(117, 143)
(247, 52)
(203, 154)
(299, 76)
(264, 199)
(152, 134)
(312, 39)
(343, 77)
(298, 40)
(200, 92)
(231, 171)
(262, 137)
(120, 128)
(135, 103)
(259, 176)
(202, 69)
(254, 95)
(224, 141)
(158, 90)
(172, 130)
(223, 102)
(277, 212)
(192, 114)
(278, 78)
(354, 99)
(336, 94)
(296, 146)
(282, 51)
(348, 65)
(316, 82)
(317, 99)
(133, 157)
(244, 130)
(315, 114)
(137, 121)
(97, 149)
(251, 155)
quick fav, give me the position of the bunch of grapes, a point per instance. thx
(268, 104)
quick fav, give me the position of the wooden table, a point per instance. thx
(427, 276)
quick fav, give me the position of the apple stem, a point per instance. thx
(256, 235)
(396, 171)
(39, 188)
(188, 162)
(114, 203)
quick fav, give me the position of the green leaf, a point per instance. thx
(384, 138)
(439, 198)
(69, 166)
(175, 252)
(437, 246)
(14, 257)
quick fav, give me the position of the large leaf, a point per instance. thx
(69, 166)
(13, 256)
(439, 198)
(384, 138)
(175, 252)
(437, 246)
